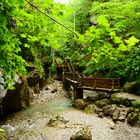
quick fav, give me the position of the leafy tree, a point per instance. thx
(27, 35)
(10, 60)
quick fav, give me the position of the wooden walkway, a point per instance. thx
(80, 82)
(108, 84)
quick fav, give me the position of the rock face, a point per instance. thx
(18, 98)
(84, 134)
(35, 81)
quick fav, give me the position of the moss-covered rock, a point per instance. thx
(80, 103)
(109, 110)
(115, 99)
(136, 104)
(102, 103)
(132, 87)
(91, 108)
(83, 134)
(133, 117)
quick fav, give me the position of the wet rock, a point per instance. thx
(102, 103)
(80, 103)
(91, 108)
(84, 134)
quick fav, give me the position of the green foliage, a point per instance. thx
(136, 104)
(2, 137)
(123, 15)
(105, 51)
(52, 68)
(27, 36)
(10, 60)
(110, 48)
(82, 15)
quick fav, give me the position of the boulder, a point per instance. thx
(91, 108)
(115, 114)
(83, 134)
(80, 103)
(133, 117)
(109, 110)
(33, 78)
(18, 98)
(122, 115)
(132, 87)
(120, 99)
(103, 95)
(102, 103)
(58, 121)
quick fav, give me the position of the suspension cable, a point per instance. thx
(50, 17)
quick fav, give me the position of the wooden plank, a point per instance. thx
(102, 89)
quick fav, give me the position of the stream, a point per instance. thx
(52, 117)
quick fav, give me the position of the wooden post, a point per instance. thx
(112, 85)
(78, 93)
(66, 85)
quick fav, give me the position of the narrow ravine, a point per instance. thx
(52, 117)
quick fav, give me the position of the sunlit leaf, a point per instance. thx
(103, 21)
(23, 35)
(132, 41)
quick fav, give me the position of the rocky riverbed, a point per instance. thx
(51, 116)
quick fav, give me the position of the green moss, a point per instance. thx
(120, 100)
(136, 104)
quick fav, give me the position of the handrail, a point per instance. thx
(95, 83)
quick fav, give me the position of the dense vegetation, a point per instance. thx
(106, 40)
(29, 37)
(109, 47)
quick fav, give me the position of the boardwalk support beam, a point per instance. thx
(78, 93)
(66, 85)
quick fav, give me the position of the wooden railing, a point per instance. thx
(72, 76)
(100, 83)
(111, 84)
